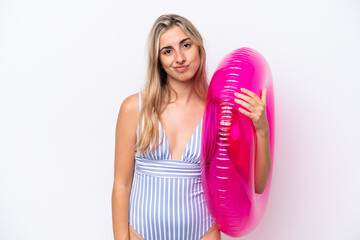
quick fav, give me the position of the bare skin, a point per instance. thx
(177, 50)
(124, 165)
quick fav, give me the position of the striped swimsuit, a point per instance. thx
(167, 198)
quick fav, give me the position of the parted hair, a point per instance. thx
(156, 88)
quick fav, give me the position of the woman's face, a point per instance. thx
(179, 56)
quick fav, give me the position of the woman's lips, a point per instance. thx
(181, 68)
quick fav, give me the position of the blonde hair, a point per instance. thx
(156, 86)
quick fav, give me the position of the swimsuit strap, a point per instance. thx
(140, 101)
(140, 106)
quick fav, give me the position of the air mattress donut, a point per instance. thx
(229, 143)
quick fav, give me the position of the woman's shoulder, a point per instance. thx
(131, 103)
(130, 107)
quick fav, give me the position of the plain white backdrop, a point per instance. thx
(66, 66)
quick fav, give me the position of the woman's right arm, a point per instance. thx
(125, 139)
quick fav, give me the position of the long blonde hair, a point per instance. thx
(156, 86)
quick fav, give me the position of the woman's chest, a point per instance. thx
(180, 127)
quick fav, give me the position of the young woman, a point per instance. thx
(157, 191)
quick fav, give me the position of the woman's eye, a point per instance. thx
(187, 45)
(167, 51)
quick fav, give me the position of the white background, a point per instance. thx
(66, 66)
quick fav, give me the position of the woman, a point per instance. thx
(159, 195)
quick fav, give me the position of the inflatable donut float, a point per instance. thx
(229, 143)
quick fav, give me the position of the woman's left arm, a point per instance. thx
(257, 113)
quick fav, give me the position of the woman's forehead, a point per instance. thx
(172, 37)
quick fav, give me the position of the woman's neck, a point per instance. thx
(184, 91)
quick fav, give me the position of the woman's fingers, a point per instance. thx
(249, 107)
(252, 103)
(246, 113)
(256, 107)
(251, 94)
(246, 98)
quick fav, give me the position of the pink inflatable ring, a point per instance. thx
(229, 143)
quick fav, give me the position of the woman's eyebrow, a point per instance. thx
(179, 43)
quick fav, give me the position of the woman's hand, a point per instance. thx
(256, 108)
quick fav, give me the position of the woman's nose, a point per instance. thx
(180, 58)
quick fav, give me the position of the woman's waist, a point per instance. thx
(167, 168)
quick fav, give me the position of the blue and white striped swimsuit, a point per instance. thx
(167, 199)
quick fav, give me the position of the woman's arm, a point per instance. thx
(125, 138)
(263, 160)
(257, 113)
